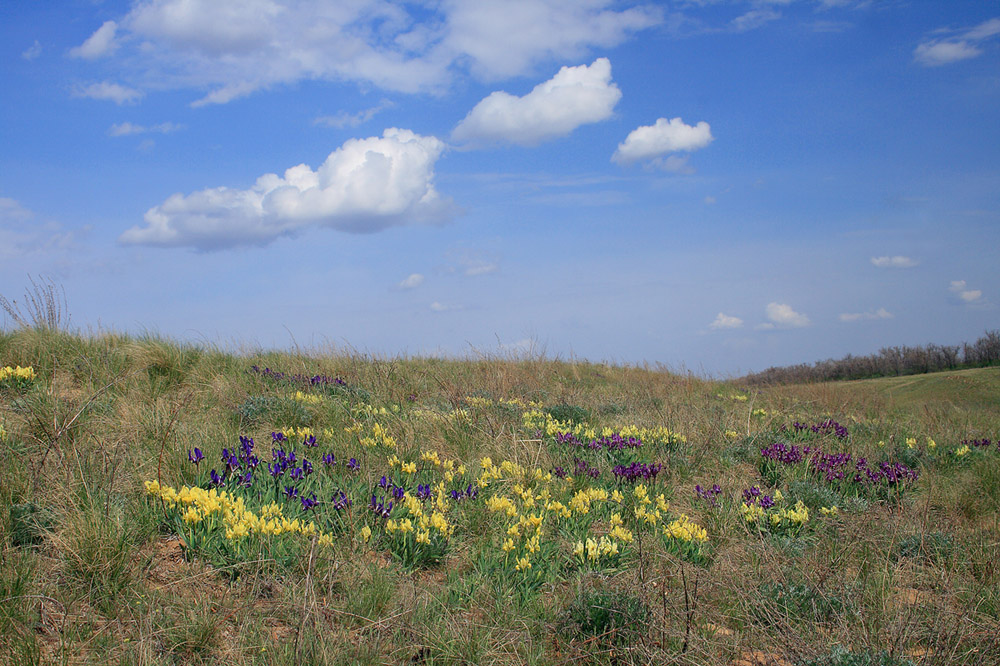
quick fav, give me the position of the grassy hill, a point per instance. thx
(167, 504)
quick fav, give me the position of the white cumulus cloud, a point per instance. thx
(115, 92)
(412, 281)
(893, 262)
(364, 186)
(101, 43)
(723, 321)
(233, 48)
(959, 288)
(961, 45)
(784, 316)
(881, 313)
(654, 143)
(575, 96)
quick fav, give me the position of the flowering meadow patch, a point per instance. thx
(556, 510)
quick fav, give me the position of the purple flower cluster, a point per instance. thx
(287, 461)
(311, 380)
(831, 466)
(984, 443)
(397, 491)
(754, 495)
(381, 508)
(821, 428)
(708, 494)
(637, 471)
(340, 501)
(238, 464)
(471, 492)
(584, 468)
(885, 473)
(610, 443)
(559, 472)
(783, 453)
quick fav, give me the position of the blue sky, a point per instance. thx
(718, 186)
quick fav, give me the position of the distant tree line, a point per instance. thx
(887, 362)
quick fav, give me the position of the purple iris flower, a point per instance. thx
(291, 492)
(329, 459)
(340, 500)
(217, 480)
(197, 456)
(309, 502)
(353, 464)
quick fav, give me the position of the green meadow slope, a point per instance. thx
(169, 504)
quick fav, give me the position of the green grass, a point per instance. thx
(92, 569)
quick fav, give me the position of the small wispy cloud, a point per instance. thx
(753, 19)
(412, 281)
(128, 129)
(724, 321)
(343, 119)
(959, 288)
(438, 306)
(881, 313)
(105, 90)
(32, 51)
(960, 45)
(893, 262)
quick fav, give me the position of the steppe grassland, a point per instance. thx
(541, 511)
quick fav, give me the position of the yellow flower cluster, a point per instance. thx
(963, 451)
(542, 421)
(298, 434)
(829, 510)
(593, 549)
(732, 434)
(307, 398)
(208, 506)
(798, 515)
(3, 433)
(370, 411)
(582, 499)
(478, 403)
(379, 437)
(25, 374)
(684, 529)
(911, 442)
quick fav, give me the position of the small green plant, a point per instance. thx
(838, 656)
(262, 409)
(929, 547)
(28, 524)
(610, 615)
(566, 413)
(798, 601)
